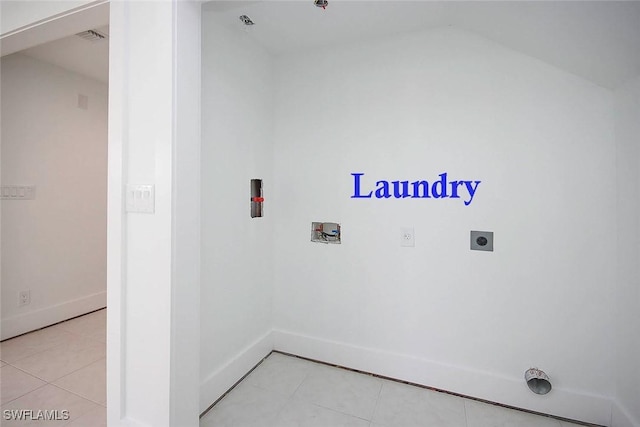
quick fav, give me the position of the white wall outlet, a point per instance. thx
(24, 298)
(407, 237)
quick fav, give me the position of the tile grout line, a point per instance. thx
(29, 373)
(466, 417)
(334, 409)
(74, 334)
(79, 369)
(46, 382)
(79, 395)
(290, 398)
(337, 411)
(56, 379)
(30, 391)
(375, 408)
(24, 357)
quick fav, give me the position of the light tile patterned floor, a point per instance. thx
(61, 367)
(286, 391)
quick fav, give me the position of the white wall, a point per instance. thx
(627, 313)
(55, 245)
(409, 108)
(237, 251)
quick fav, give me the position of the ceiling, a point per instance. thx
(90, 58)
(597, 40)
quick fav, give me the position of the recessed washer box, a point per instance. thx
(325, 232)
(482, 241)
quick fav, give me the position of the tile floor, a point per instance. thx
(61, 367)
(286, 391)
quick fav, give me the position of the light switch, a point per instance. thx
(140, 198)
(18, 192)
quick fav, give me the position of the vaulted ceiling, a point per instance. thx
(597, 40)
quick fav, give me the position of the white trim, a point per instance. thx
(185, 216)
(621, 417)
(219, 381)
(152, 342)
(116, 224)
(457, 379)
(129, 422)
(32, 320)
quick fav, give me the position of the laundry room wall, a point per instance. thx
(626, 412)
(411, 107)
(237, 250)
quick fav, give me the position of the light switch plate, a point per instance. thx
(407, 237)
(141, 198)
(18, 192)
(482, 241)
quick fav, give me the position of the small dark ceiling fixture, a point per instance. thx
(321, 3)
(246, 20)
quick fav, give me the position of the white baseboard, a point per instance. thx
(222, 379)
(36, 319)
(621, 417)
(489, 386)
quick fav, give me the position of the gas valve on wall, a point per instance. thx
(256, 198)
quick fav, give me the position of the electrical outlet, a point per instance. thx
(407, 237)
(482, 241)
(24, 298)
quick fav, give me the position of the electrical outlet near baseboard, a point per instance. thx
(24, 298)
